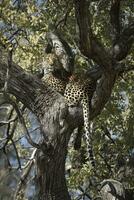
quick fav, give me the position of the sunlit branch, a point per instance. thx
(10, 133)
(2, 123)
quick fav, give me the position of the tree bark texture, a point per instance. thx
(57, 120)
(57, 123)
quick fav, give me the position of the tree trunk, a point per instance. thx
(57, 122)
(57, 126)
(51, 175)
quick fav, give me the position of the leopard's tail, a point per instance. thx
(87, 135)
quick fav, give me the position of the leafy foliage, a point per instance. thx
(23, 26)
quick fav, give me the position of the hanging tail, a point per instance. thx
(87, 135)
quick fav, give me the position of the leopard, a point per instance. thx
(76, 91)
(80, 92)
(49, 76)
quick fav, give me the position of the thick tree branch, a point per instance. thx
(89, 44)
(103, 93)
(37, 96)
(115, 19)
(85, 32)
(22, 85)
(57, 123)
(124, 43)
(27, 169)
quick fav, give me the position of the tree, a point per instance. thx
(104, 46)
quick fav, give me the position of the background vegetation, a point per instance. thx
(23, 27)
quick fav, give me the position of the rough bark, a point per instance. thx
(57, 123)
(115, 19)
(90, 46)
(56, 119)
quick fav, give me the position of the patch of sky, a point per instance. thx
(2, 25)
(30, 190)
(35, 136)
(12, 179)
(40, 2)
(132, 152)
(12, 157)
(77, 194)
(124, 101)
(34, 131)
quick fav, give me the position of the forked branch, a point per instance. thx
(90, 46)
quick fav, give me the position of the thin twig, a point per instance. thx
(26, 172)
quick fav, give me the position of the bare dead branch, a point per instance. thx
(7, 72)
(22, 121)
(115, 19)
(2, 123)
(10, 133)
(27, 169)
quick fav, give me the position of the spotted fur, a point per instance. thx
(55, 83)
(77, 92)
(81, 92)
